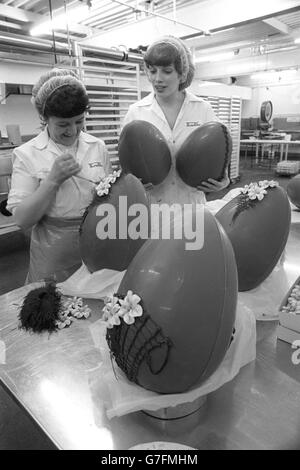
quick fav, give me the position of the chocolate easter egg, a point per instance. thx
(204, 154)
(293, 190)
(258, 231)
(143, 151)
(105, 238)
(189, 302)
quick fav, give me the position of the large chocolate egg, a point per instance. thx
(144, 152)
(293, 190)
(189, 300)
(204, 154)
(110, 225)
(258, 231)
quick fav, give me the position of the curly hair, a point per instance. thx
(59, 93)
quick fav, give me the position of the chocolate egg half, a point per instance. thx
(204, 154)
(144, 152)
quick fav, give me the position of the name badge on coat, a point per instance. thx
(193, 123)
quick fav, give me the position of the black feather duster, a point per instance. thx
(40, 309)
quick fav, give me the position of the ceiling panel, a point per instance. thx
(258, 35)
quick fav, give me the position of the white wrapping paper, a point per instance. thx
(2, 352)
(122, 397)
(97, 285)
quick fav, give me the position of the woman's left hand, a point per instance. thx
(211, 185)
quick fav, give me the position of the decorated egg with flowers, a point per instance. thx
(257, 223)
(204, 154)
(171, 321)
(115, 225)
(144, 152)
(293, 190)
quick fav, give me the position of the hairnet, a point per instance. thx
(183, 54)
(49, 83)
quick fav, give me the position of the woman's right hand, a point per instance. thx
(63, 168)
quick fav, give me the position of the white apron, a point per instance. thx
(54, 249)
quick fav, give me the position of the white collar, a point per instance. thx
(150, 99)
(41, 141)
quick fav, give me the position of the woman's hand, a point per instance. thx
(211, 185)
(63, 168)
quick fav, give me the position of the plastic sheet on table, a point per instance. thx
(121, 397)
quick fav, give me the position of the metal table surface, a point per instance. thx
(282, 144)
(56, 379)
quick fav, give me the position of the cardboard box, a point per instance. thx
(287, 335)
(287, 319)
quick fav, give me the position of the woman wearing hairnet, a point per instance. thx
(53, 174)
(176, 113)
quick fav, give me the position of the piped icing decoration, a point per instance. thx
(253, 193)
(132, 335)
(105, 184)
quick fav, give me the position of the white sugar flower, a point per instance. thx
(130, 308)
(257, 192)
(111, 312)
(268, 184)
(102, 188)
(105, 184)
(263, 184)
(113, 176)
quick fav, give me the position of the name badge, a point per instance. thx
(94, 164)
(193, 123)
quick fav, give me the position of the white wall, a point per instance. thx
(18, 109)
(24, 74)
(285, 100)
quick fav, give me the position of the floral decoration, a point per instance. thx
(253, 193)
(105, 184)
(117, 309)
(72, 308)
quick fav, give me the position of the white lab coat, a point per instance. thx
(54, 248)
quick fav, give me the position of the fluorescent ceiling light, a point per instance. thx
(61, 20)
(271, 74)
(222, 31)
(215, 57)
(297, 41)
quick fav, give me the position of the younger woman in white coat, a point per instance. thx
(176, 113)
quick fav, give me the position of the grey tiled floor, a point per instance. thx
(17, 431)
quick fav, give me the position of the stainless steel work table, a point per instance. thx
(55, 378)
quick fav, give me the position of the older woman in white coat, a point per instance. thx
(53, 174)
